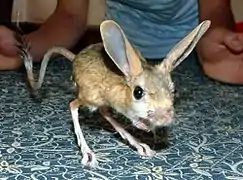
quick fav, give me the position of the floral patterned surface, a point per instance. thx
(37, 139)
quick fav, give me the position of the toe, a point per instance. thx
(147, 151)
(89, 159)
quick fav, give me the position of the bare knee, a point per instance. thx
(223, 73)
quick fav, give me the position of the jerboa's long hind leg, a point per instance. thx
(28, 62)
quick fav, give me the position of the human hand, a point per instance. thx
(8, 42)
(8, 50)
(221, 54)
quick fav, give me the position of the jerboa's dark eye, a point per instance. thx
(138, 92)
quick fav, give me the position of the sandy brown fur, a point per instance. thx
(97, 83)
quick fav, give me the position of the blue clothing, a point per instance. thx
(154, 26)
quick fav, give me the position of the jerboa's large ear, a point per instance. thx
(119, 49)
(182, 49)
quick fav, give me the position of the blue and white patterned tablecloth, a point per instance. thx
(37, 139)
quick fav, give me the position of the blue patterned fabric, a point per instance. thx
(37, 139)
(154, 26)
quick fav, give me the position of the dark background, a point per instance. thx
(6, 11)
